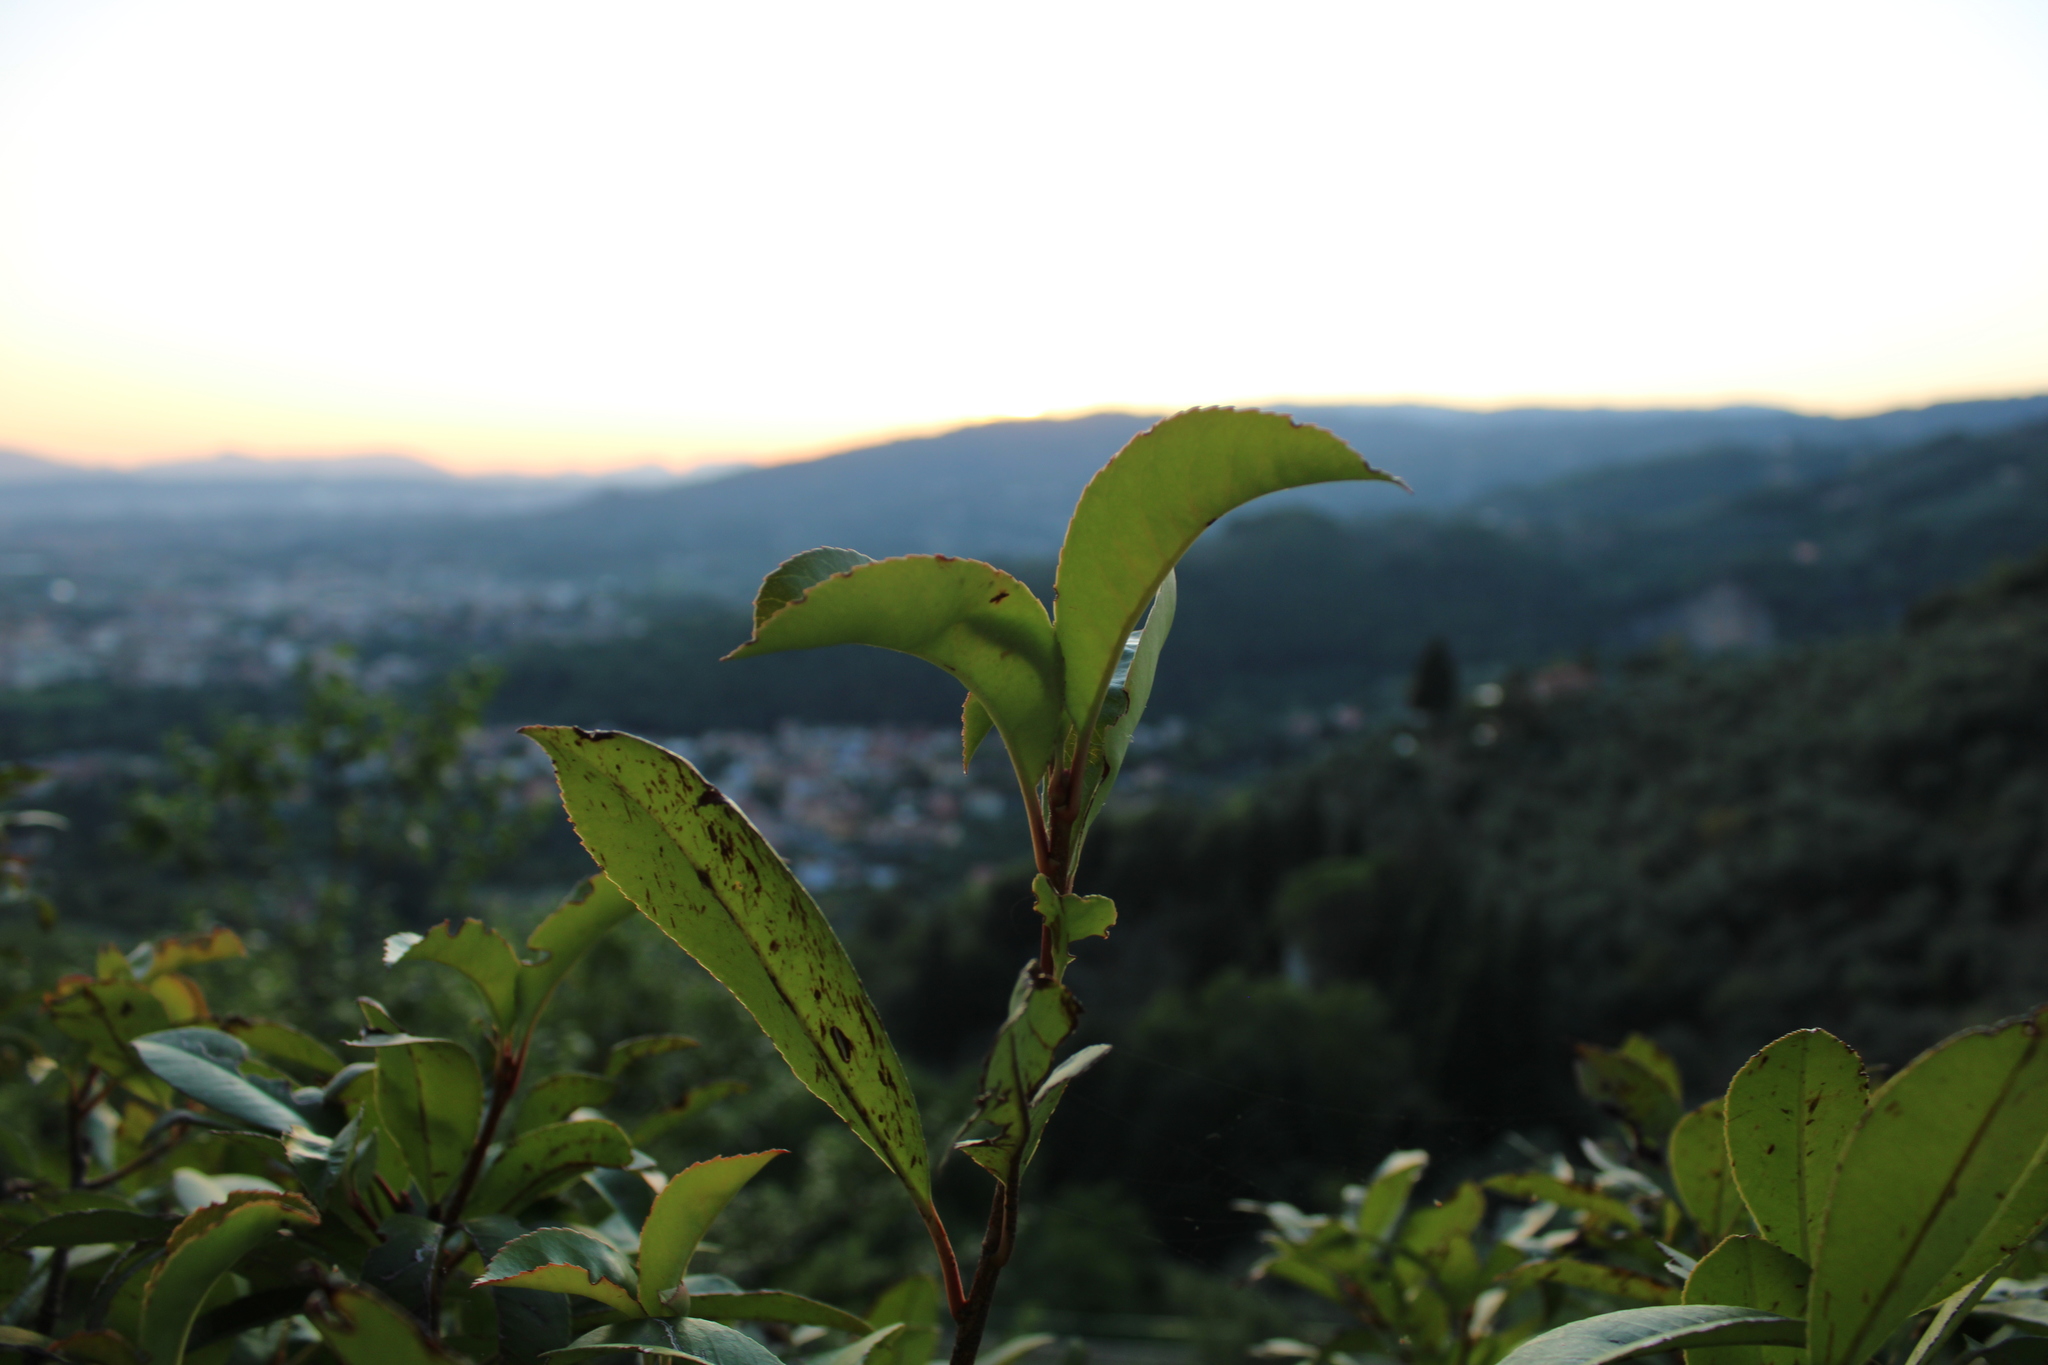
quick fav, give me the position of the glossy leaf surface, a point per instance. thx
(1789, 1111)
(430, 1098)
(542, 1160)
(206, 1246)
(972, 619)
(206, 1064)
(566, 1262)
(1143, 509)
(1648, 1331)
(682, 1212)
(703, 873)
(774, 1305)
(1920, 1198)
(711, 1343)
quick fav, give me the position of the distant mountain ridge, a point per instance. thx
(1005, 489)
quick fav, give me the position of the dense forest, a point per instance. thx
(1393, 938)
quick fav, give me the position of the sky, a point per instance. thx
(539, 237)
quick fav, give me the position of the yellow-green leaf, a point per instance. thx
(978, 623)
(1789, 1110)
(1699, 1168)
(566, 1262)
(702, 872)
(682, 1211)
(1143, 509)
(1751, 1273)
(430, 1099)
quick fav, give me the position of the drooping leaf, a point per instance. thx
(531, 1322)
(430, 1099)
(593, 909)
(1698, 1154)
(1071, 918)
(774, 1305)
(624, 1054)
(1144, 508)
(1751, 1273)
(1648, 1331)
(682, 1211)
(1617, 1280)
(1790, 1109)
(206, 1246)
(479, 953)
(1937, 1184)
(364, 1328)
(1046, 1098)
(286, 1047)
(1020, 1062)
(553, 1098)
(206, 1064)
(1634, 1092)
(1386, 1194)
(565, 1262)
(978, 623)
(798, 574)
(704, 874)
(711, 1343)
(913, 1302)
(542, 1160)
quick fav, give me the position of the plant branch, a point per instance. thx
(949, 1262)
(504, 1081)
(996, 1243)
(121, 1173)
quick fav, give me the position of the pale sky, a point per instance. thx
(532, 236)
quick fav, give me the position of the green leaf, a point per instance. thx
(858, 1352)
(565, 1262)
(364, 1328)
(376, 1018)
(593, 909)
(1016, 1348)
(975, 723)
(1144, 508)
(1603, 1279)
(1020, 1062)
(978, 623)
(1790, 1109)
(553, 1098)
(1698, 1154)
(531, 1322)
(1535, 1185)
(1647, 1331)
(1047, 1097)
(479, 953)
(430, 1099)
(711, 1343)
(1655, 1060)
(913, 1302)
(682, 1211)
(1386, 1195)
(286, 1046)
(179, 951)
(206, 1064)
(542, 1160)
(1939, 1182)
(1751, 1273)
(205, 1247)
(1132, 683)
(775, 1305)
(1634, 1092)
(631, 1050)
(800, 573)
(401, 1264)
(1069, 918)
(702, 872)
